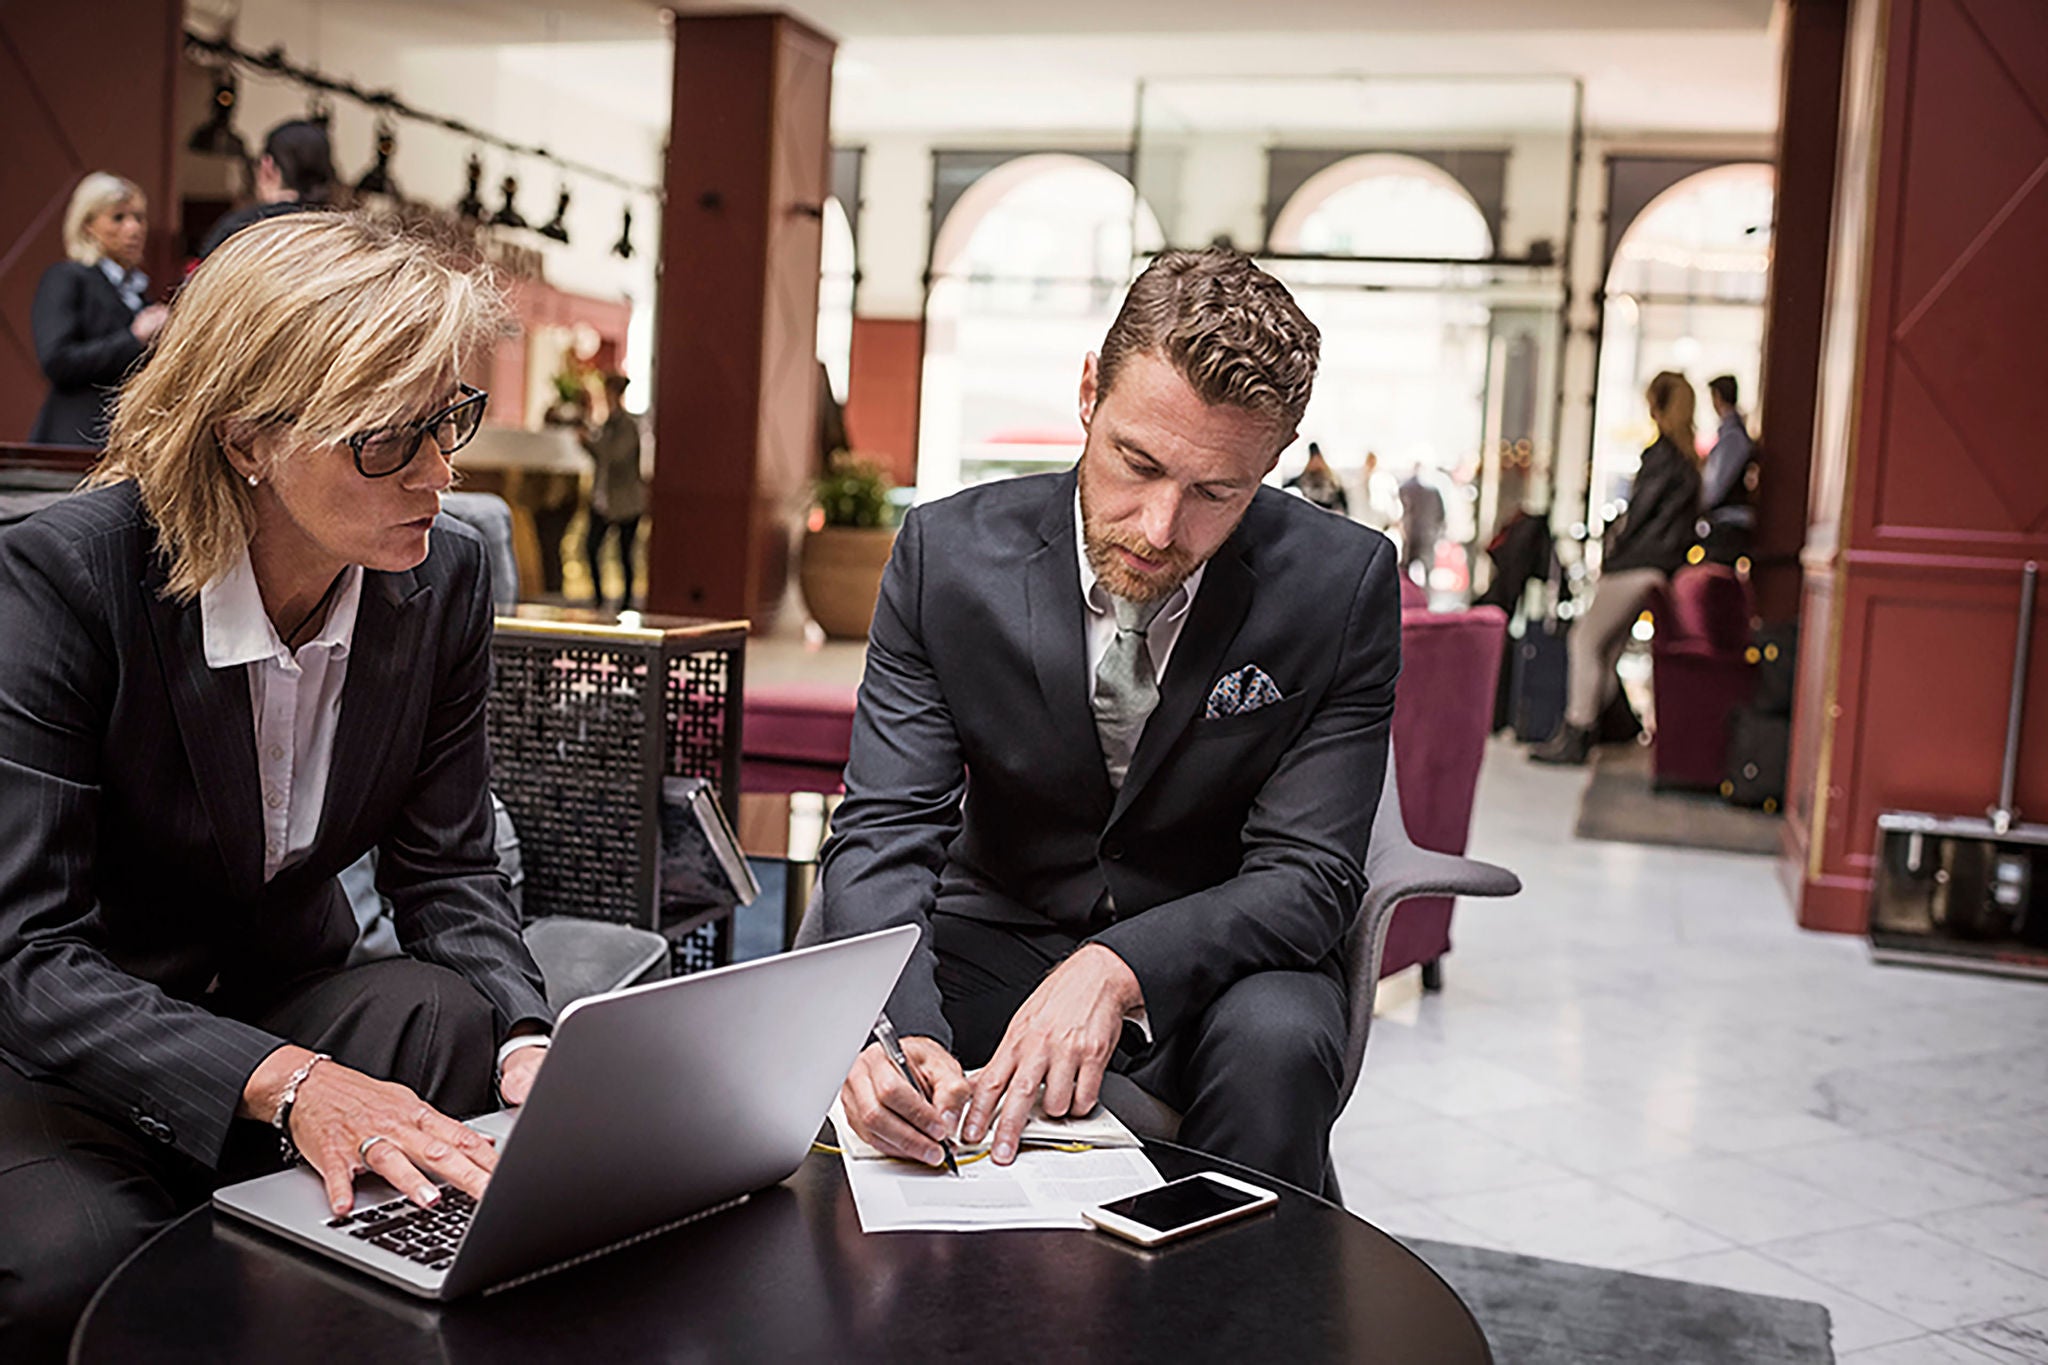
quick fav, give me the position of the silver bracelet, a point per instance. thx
(282, 1119)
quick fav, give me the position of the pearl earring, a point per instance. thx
(252, 481)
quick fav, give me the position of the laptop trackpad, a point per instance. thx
(495, 1126)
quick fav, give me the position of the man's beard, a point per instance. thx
(1101, 544)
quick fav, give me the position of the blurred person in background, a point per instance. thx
(1382, 506)
(1733, 450)
(1422, 525)
(1318, 483)
(92, 319)
(295, 172)
(1643, 549)
(618, 495)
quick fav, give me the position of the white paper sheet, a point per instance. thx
(1040, 1189)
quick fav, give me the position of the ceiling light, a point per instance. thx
(217, 136)
(557, 229)
(471, 205)
(508, 215)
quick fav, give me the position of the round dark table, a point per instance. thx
(790, 1276)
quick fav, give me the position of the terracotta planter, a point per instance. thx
(841, 574)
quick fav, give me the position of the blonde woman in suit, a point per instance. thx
(91, 317)
(247, 655)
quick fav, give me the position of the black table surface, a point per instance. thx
(790, 1276)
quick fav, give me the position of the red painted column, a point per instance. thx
(749, 165)
(1808, 127)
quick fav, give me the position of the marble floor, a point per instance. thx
(1643, 1063)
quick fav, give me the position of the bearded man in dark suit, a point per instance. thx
(1118, 749)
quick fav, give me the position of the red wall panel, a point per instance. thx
(1913, 593)
(83, 94)
(884, 387)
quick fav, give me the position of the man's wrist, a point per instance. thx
(519, 1042)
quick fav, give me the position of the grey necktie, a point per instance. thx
(1125, 689)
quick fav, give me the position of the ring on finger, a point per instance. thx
(363, 1148)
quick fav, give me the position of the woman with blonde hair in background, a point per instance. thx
(91, 318)
(1643, 550)
(247, 655)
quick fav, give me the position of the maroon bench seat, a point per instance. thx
(796, 738)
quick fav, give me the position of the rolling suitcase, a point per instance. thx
(1773, 650)
(1539, 681)
(1758, 747)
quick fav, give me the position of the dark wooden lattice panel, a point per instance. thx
(585, 719)
(568, 726)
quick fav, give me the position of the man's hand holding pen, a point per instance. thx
(889, 1111)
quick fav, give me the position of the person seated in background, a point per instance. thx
(92, 318)
(618, 495)
(1164, 693)
(1319, 483)
(295, 172)
(1642, 551)
(1725, 486)
(239, 661)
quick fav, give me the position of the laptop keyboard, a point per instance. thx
(426, 1236)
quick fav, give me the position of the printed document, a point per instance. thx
(1045, 1187)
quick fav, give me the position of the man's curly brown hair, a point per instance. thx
(1231, 330)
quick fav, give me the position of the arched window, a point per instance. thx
(1382, 204)
(835, 295)
(1028, 270)
(1685, 292)
(1403, 374)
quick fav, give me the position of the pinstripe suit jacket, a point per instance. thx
(136, 930)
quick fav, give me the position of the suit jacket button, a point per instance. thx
(1113, 851)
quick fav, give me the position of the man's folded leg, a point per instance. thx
(1256, 1075)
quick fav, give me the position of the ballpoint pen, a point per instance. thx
(892, 1046)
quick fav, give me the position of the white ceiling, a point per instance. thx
(955, 69)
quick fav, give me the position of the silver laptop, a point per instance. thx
(658, 1104)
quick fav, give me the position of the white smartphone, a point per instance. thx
(1180, 1207)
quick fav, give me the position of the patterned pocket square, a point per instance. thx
(1248, 689)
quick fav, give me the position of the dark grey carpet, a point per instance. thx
(1620, 806)
(1538, 1312)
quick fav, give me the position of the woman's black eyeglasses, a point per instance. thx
(383, 452)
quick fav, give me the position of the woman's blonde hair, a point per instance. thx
(331, 322)
(1671, 408)
(98, 192)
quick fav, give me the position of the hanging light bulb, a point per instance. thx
(557, 229)
(471, 205)
(217, 136)
(377, 180)
(508, 215)
(623, 248)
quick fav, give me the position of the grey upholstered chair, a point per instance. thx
(1395, 869)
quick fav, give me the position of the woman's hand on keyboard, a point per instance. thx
(338, 1111)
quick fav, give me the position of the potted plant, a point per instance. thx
(846, 546)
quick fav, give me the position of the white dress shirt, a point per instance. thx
(295, 696)
(1101, 620)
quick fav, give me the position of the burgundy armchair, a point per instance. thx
(1699, 673)
(1443, 711)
